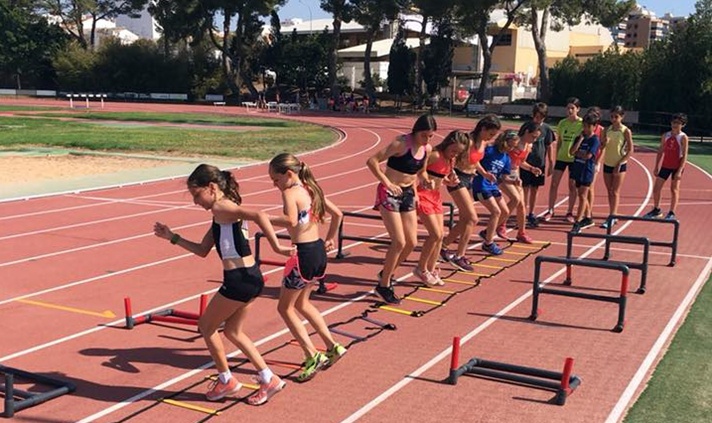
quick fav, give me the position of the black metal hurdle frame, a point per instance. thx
(643, 266)
(29, 399)
(672, 244)
(620, 300)
(563, 383)
(450, 216)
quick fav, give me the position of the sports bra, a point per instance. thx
(475, 155)
(441, 168)
(406, 163)
(304, 216)
(230, 240)
(517, 156)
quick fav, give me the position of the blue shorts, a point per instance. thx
(486, 195)
(242, 284)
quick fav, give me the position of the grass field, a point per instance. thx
(679, 390)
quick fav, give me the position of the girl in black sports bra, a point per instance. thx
(396, 196)
(218, 192)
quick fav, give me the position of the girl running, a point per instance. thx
(304, 208)
(396, 196)
(467, 166)
(218, 192)
(440, 167)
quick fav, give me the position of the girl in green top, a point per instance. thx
(568, 129)
(617, 143)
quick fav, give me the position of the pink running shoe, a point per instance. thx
(219, 390)
(502, 232)
(524, 238)
(425, 276)
(267, 391)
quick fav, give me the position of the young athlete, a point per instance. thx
(671, 160)
(467, 166)
(396, 196)
(568, 129)
(598, 131)
(511, 184)
(541, 157)
(496, 162)
(218, 192)
(617, 146)
(583, 169)
(440, 169)
(304, 208)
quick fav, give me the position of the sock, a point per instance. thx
(225, 376)
(265, 375)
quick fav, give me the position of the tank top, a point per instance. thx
(517, 156)
(407, 163)
(230, 240)
(672, 150)
(441, 168)
(615, 146)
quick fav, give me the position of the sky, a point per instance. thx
(300, 8)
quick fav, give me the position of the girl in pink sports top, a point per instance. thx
(466, 167)
(512, 184)
(440, 168)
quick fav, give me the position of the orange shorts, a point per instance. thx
(430, 202)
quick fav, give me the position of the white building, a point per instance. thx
(145, 26)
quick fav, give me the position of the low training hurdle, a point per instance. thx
(29, 399)
(166, 316)
(341, 237)
(672, 244)
(643, 266)
(620, 300)
(563, 383)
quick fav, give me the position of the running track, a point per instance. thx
(85, 252)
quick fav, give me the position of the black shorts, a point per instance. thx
(609, 169)
(307, 266)
(465, 181)
(529, 180)
(562, 166)
(403, 203)
(665, 173)
(242, 284)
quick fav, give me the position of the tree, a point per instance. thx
(342, 11)
(72, 14)
(555, 14)
(28, 45)
(437, 57)
(371, 14)
(401, 67)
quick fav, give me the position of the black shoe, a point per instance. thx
(532, 222)
(586, 222)
(576, 228)
(392, 282)
(654, 213)
(388, 295)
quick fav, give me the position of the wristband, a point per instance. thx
(175, 238)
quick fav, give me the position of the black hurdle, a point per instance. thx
(672, 244)
(563, 383)
(258, 249)
(341, 237)
(600, 264)
(643, 266)
(29, 399)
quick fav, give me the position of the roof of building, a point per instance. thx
(380, 48)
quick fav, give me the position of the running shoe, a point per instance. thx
(463, 264)
(436, 275)
(532, 222)
(586, 222)
(654, 213)
(267, 391)
(425, 276)
(570, 218)
(670, 216)
(388, 295)
(608, 223)
(218, 390)
(393, 280)
(576, 228)
(483, 234)
(312, 365)
(446, 255)
(502, 232)
(524, 238)
(335, 353)
(547, 215)
(492, 248)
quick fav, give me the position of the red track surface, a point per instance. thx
(90, 250)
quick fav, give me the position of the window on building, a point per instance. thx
(506, 40)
